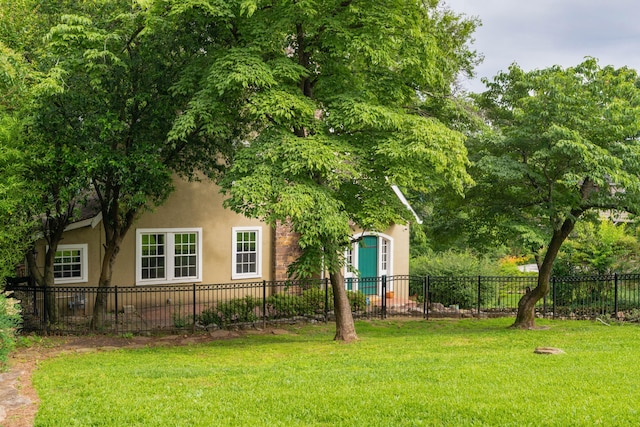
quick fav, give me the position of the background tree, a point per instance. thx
(599, 247)
(15, 224)
(50, 163)
(331, 97)
(565, 145)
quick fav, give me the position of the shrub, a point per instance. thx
(10, 320)
(358, 300)
(237, 310)
(284, 305)
(453, 264)
(461, 291)
(455, 273)
(310, 303)
(313, 301)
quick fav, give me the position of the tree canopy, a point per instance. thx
(565, 145)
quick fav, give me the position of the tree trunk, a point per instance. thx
(98, 320)
(45, 281)
(345, 328)
(525, 319)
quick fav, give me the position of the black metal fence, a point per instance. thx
(73, 309)
(152, 309)
(576, 297)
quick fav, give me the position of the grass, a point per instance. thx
(400, 373)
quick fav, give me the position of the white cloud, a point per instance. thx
(542, 33)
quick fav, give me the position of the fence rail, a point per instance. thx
(138, 309)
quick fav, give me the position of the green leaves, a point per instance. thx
(565, 144)
(329, 99)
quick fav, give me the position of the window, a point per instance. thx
(168, 255)
(246, 257)
(70, 264)
(384, 256)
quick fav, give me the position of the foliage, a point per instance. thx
(456, 274)
(508, 266)
(334, 113)
(180, 320)
(291, 379)
(453, 263)
(16, 224)
(10, 320)
(329, 98)
(282, 305)
(237, 310)
(104, 110)
(599, 247)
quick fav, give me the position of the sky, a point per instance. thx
(537, 34)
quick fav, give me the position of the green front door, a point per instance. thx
(368, 265)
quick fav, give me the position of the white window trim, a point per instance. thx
(84, 270)
(170, 256)
(354, 247)
(234, 241)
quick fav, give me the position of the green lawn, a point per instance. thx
(400, 373)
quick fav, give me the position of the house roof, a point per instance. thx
(89, 215)
(406, 203)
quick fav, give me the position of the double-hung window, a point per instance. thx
(70, 264)
(168, 255)
(247, 255)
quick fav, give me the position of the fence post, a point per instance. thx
(384, 296)
(115, 289)
(45, 296)
(554, 296)
(425, 286)
(264, 304)
(326, 300)
(479, 293)
(615, 293)
(193, 328)
(35, 300)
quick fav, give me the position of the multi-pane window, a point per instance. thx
(349, 258)
(246, 255)
(169, 255)
(186, 255)
(384, 255)
(153, 256)
(70, 264)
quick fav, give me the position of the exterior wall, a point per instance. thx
(400, 235)
(196, 204)
(191, 205)
(285, 250)
(93, 237)
(200, 205)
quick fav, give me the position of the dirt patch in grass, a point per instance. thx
(19, 400)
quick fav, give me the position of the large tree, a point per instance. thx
(114, 64)
(332, 99)
(565, 144)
